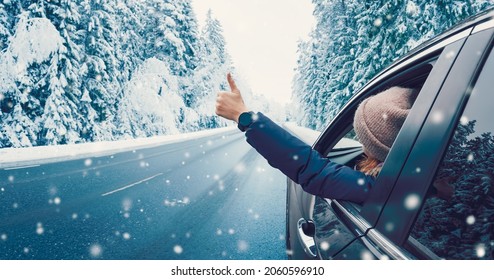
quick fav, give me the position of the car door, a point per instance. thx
(431, 210)
(342, 228)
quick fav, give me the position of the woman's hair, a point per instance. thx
(369, 166)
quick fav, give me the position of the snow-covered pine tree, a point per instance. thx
(168, 35)
(103, 75)
(132, 43)
(61, 121)
(8, 12)
(210, 77)
(353, 40)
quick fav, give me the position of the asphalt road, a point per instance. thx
(207, 198)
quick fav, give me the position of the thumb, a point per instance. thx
(231, 82)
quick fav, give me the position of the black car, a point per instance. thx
(446, 141)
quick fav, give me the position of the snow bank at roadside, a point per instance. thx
(18, 157)
(305, 134)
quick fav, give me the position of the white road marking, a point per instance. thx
(21, 167)
(131, 185)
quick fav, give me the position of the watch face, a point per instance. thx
(245, 119)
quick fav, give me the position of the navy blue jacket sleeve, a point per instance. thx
(316, 174)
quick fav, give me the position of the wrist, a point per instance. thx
(240, 112)
(245, 120)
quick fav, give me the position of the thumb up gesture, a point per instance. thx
(230, 105)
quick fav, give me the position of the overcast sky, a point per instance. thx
(261, 37)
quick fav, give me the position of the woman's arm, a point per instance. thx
(316, 174)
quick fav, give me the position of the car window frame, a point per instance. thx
(344, 121)
(453, 94)
(357, 218)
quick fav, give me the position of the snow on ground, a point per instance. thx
(19, 157)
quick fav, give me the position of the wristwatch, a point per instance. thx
(245, 120)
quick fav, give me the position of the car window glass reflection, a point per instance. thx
(457, 220)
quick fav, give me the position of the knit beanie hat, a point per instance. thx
(379, 118)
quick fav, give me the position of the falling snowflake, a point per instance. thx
(143, 164)
(15, 205)
(57, 200)
(3, 236)
(2, 189)
(231, 231)
(74, 216)
(187, 154)
(11, 178)
(464, 120)
(126, 204)
(242, 245)
(187, 235)
(53, 190)
(188, 177)
(389, 226)
(26, 250)
(418, 170)
(95, 250)
(256, 216)
(240, 167)
(223, 254)
(366, 255)
(216, 177)
(39, 229)
(178, 249)
(219, 232)
(378, 22)
(437, 117)
(360, 181)
(385, 116)
(295, 157)
(412, 202)
(470, 157)
(126, 236)
(126, 215)
(480, 250)
(471, 220)
(209, 143)
(324, 245)
(186, 200)
(88, 162)
(450, 54)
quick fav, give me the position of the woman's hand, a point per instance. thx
(230, 105)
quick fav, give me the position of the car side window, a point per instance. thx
(457, 219)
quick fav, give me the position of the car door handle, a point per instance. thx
(306, 232)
